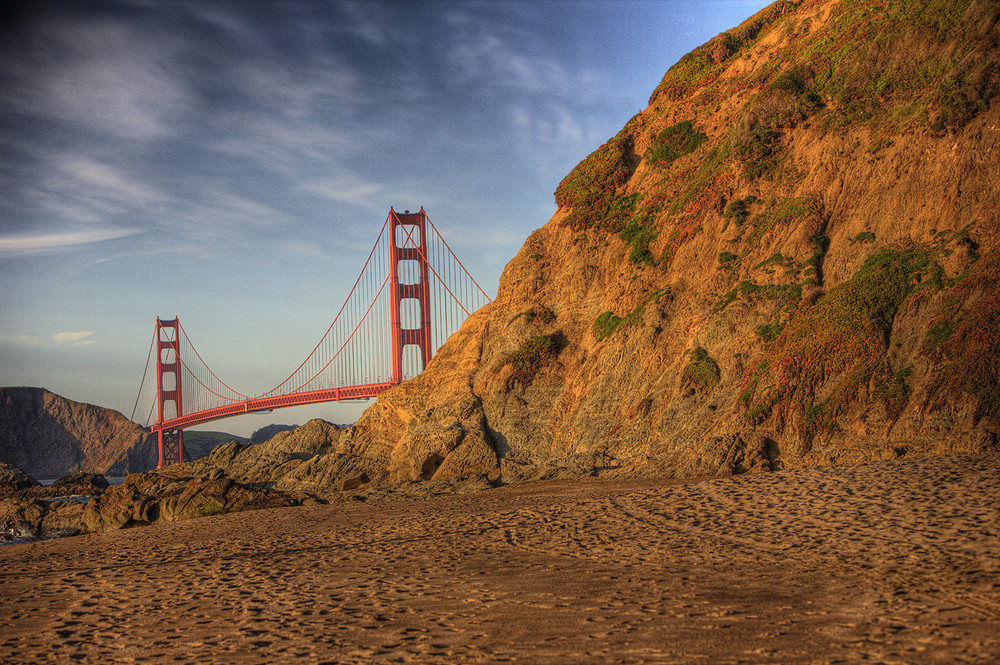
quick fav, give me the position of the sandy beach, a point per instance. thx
(890, 562)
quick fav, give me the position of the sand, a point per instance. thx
(890, 562)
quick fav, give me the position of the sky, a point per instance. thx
(231, 163)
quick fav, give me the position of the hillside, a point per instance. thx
(789, 258)
(48, 436)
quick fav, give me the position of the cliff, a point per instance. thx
(48, 436)
(789, 258)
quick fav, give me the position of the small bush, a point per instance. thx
(702, 371)
(864, 236)
(213, 508)
(606, 323)
(533, 355)
(638, 234)
(590, 189)
(758, 148)
(770, 331)
(674, 142)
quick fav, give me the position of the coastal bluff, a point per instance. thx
(789, 258)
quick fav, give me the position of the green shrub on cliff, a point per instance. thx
(702, 371)
(965, 337)
(674, 142)
(531, 357)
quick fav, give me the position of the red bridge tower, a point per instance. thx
(408, 242)
(168, 389)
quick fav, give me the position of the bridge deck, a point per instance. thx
(257, 404)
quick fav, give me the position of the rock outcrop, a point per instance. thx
(789, 258)
(85, 503)
(48, 436)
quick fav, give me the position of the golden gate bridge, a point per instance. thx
(411, 295)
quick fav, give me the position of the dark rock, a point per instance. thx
(83, 483)
(13, 479)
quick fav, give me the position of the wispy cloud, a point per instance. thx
(81, 338)
(345, 187)
(301, 248)
(20, 340)
(100, 73)
(52, 242)
(109, 179)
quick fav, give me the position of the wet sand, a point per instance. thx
(891, 562)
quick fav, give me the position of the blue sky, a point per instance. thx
(231, 163)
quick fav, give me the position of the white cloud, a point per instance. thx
(302, 248)
(73, 338)
(31, 244)
(81, 338)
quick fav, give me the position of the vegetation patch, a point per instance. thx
(966, 337)
(778, 214)
(674, 142)
(591, 188)
(702, 371)
(770, 331)
(840, 342)
(863, 237)
(212, 508)
(776, 259)
(639, 232)
(608, 322)
(739, 209)
(893, 391)
(534, 354)
(757, 149)
(726, 259)
(702, 66)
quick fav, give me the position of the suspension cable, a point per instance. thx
(336, 318)
(235, 392)
(454, 256)
(427, 261)
(152, 342)
(349, 338)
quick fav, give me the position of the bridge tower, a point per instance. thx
(408, 242)
(168, 389)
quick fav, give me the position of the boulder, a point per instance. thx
(13, 479)
(88, 484)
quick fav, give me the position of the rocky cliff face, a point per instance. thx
(48, 436)
(789, 258)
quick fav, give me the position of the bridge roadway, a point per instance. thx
(255, 404)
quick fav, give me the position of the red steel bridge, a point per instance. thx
(411, 295)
